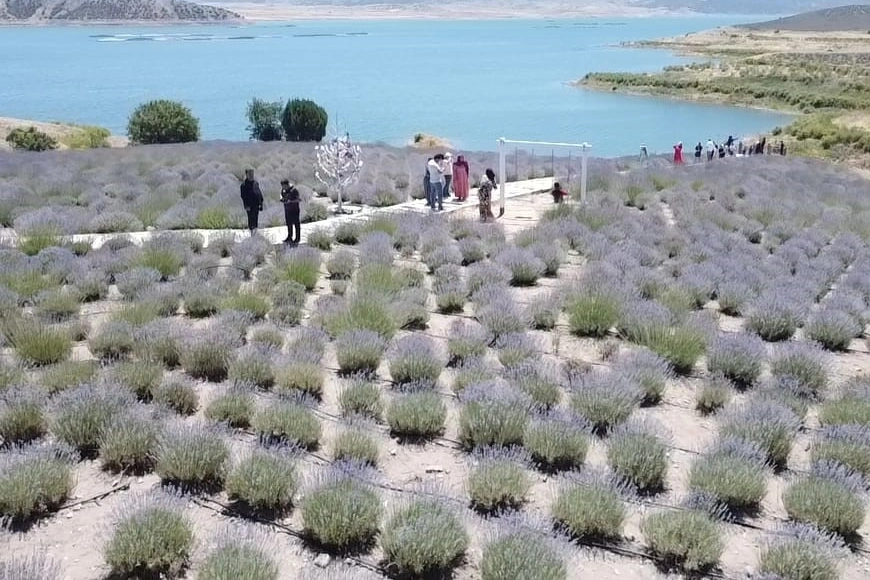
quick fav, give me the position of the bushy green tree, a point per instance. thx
(264, 120)
(162, 121)
(304, 120)
(30, 139)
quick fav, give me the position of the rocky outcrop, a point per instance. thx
(111, 10)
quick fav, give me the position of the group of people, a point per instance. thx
(732, 147)
(252, 201)
(445, 178)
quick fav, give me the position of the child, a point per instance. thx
(558, 193)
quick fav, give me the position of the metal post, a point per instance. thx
(502, 176)
(583, 173)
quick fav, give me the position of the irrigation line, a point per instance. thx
(95, 498)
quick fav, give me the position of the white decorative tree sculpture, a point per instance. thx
(339, 163)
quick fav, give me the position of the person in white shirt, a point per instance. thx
(436, 182)
(711, 149)
(448, 174)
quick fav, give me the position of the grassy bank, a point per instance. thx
(825, 78)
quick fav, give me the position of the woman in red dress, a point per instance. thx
(678, 153)
(460, 178)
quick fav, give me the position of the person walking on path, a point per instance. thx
(484, 195)
(698, 150)
(711, 149)
(460, 178)
(448, 173)
(252, 200)
(427, 185)
(436, 182)
(644, 154)
(290, 199)
(558, 193)
(678, 153)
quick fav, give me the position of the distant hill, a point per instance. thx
(111, 10)
(744, 6)
(854, 18)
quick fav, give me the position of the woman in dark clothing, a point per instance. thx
(290, 199)
(252, 199)
(484, 195)
(558, 193)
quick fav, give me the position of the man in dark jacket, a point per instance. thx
(290, 199)
(252, 200)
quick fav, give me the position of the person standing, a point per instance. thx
(558, 193)
(460, 178)
(252, 200)
(290, 199)
(436, 182)
(698, 150)
(484, 195)
(427, 185)
(678, 153)
(448, 173)
(644, 154)
(711, 149)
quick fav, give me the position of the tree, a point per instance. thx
(304, 120)
(162, 121)
(30, 139)
(264, 120)
(339, 163)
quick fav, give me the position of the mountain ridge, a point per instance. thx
(849, 18)
(31, 11)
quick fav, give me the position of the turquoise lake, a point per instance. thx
(468, 81)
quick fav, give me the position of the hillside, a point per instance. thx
(852, 18)
(111, 10)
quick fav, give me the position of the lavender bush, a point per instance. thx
(800, 551)
(423, 537)
(830, 498)
(833, 329)
(804, 363)
(732, 473)
(414, 359)
(499, 479)
(604, 399)
(492, 415)
(557, 441)
(739, 357)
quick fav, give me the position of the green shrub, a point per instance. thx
(138, 376)
(268, 338)
(639, 457)
(177, 395)
(235, 558)
(414, 360)
(342, 514)
(418, 414)
(300, 377)
(768, 424)
(423, 538)
(265, 480)
(592, 314)
(681, 346)
(30, 139)
(167, 261)
(235, 407)
(57, 305)
(498, 482)
(88, 137)
(81, 415)
(113, 341)
(557, 443)
(850, 408)
(191, 457)
(207, 358)
(713, 395)
(32, 242)
(734, 475)
(213, 218)
(686, 539)
(37, 344)
(252, 367)
(128, 443)
(356, 446)
(152, 539)
(33, 481)
(162, 121)
(290, 422)
(802, 554)
(348, 233)
(605, 400)
(254, 304)
(22, 416)
(359, 351)
(802, 363)
(264, 120)
(320, 238)
(138, 314)
(302, 267)
(589, 511)
(492, 417)
(521, 556)
(828, 504)
(304, 120)
(361, 398)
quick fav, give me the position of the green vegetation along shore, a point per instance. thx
(822, 77)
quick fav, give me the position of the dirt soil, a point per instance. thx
(57, 130)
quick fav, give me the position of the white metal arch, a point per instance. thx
(502, 164)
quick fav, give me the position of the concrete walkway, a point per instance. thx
(277, 234)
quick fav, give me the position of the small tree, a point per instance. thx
(339, 163)
(162, 121)
(304, 120)
(264, 120)
(30, 139)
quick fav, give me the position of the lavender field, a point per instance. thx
(670, 381)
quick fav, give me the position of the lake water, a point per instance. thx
(469, 81)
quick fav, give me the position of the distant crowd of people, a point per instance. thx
(252, 201)
(730, 148)
(445, 178)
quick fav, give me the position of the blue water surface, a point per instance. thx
(469, 81)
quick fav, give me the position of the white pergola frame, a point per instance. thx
(502, 164)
